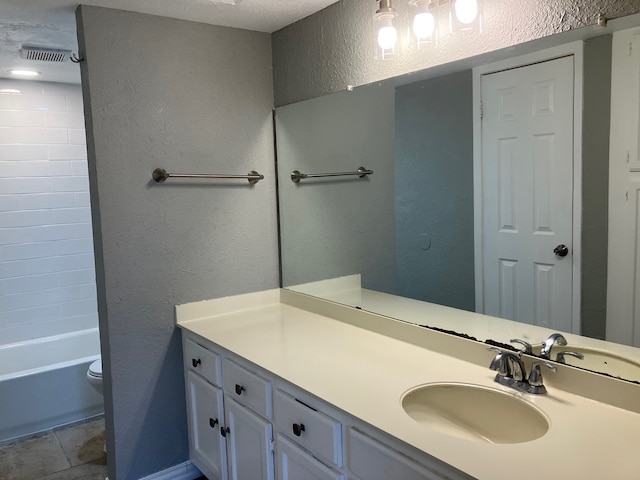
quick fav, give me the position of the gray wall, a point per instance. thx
(595, 184)
(188, 97)
(342, 226)
(434, 190)
(334, 48)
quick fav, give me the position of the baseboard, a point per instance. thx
(182, 471)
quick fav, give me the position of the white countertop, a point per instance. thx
(365, 374)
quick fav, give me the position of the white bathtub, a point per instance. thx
(43, 383)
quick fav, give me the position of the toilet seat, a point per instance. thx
(95, 369)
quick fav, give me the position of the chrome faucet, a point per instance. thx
(511, 372)
(508, 365)
(553, 339)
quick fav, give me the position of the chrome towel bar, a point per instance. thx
(296, 175)
(160, 175)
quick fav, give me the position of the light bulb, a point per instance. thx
(466, 10)
(423, 25)
(387, 37)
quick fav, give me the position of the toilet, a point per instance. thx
(94, 375)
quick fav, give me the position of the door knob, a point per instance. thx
(561, 250)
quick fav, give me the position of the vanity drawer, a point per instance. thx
(247, 388)
(198, 359)
(315, 431)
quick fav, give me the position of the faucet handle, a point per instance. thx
(560, 356)
(499, 363)
(535, 376)
(528, 348)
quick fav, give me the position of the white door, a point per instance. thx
(294, 464)
(623, 277)
(527, 193)
(250, 444)
(205, 414)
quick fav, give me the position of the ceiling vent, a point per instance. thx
(44, 54)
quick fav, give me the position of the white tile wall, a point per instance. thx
(47, 277)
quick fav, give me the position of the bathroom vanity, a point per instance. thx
(283, 385)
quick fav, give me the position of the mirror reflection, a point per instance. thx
(489, 193)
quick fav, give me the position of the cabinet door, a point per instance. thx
(371, 460)
(294, 464)
(250, 441)
(205, 413)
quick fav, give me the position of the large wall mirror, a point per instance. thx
(503, 202)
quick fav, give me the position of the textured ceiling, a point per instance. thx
(51, 23)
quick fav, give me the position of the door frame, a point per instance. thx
(574, 49)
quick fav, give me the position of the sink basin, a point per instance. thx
(600, 361)
(473, 412)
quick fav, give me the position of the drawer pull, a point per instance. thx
(195, 362)
(212, 422)
(224, 431)
(298, 428)
(239, 389)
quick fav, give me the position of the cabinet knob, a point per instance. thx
(298, 428)
(212, 422)
(195, 362)
(224, 431)
(239, 389)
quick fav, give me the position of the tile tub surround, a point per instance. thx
(70, 453)
(344, 365)
(47, 279)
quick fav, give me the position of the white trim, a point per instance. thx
(182, 471)
(574, 49)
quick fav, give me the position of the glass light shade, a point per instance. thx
(386, 33)
(387, 37)
(423, 27)
(424, 24)
(466, 11)
(465, 16)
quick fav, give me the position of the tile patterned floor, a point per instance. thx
(67, 453)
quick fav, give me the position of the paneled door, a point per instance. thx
(623, 276)
(527, 161)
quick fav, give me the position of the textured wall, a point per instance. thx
(188, 97)
(337, 227)
(334, 48)
(47, 279)
(434, 190)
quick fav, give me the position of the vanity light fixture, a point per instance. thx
(465, 15)
(24, 73)
(423, 27)
(387, 35)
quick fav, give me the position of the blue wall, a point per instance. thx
(434, 190)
